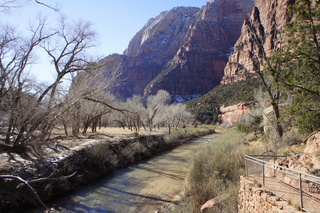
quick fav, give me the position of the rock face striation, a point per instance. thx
(183, 51)
(151, 48)
(268, 18)
(198, 65)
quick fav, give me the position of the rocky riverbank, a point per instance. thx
(85, 161)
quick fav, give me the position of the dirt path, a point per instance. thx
(145, 187)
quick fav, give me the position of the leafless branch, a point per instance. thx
(29, 186)
(46, 5)
(27, 183)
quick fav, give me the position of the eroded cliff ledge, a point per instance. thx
(267, 18)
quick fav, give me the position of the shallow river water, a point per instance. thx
(143, 187)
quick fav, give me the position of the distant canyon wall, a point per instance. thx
(188, 51)
(183, 51)
(198, 65)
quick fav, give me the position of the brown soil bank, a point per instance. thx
(90, 159)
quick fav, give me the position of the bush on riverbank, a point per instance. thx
(215, 173)
(189, 133)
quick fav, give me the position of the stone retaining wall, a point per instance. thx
(254, 199)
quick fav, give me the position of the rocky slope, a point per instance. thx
(183, 51)
(267, 18)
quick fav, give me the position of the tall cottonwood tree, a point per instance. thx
(93, 86)
(16, 55)
(33, 113)
(136, 115)
(175, 115)
(155, 105)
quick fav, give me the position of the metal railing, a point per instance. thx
(299, 188)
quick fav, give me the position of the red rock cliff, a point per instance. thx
(267, 17)
(199, 63)
(151, 48)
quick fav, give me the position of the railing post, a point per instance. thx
(301, 193)
(274, 166)
(263, 174)
(246, 165)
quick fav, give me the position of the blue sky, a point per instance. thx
(115, 21)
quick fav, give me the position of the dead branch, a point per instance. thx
(29, 186)
(27, 183)
(46, 5)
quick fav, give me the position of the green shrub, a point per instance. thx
(189, 133)
(253, 125)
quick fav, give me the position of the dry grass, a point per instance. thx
(112, 131)
(116, 131)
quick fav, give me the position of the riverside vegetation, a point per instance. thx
(86, 159)
(215, 173)
(217, 166)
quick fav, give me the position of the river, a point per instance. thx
(144, 187)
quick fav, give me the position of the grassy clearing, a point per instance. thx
(215, 173)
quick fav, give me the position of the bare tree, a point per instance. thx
(16, 55)
(174, 115)
(8, 5)
(34, 116)
(137, 113)
(155, 105)
(91, 112)
(92, 86)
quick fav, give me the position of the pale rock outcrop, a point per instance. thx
(313, 143)
(212, 203)
(231, 115)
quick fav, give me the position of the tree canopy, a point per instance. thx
(302, 64)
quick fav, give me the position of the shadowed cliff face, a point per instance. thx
(184, 50)
(267, 18)
(152, 47)
(199, 63)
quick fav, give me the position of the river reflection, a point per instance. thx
(143, 187)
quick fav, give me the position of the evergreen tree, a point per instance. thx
(302, 57)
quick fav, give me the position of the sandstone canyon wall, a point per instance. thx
(268, 18)
(199, 63)
(151, 48)
(183, 51)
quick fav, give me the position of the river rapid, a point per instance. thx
(148, 186)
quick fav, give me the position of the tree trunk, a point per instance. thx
(276, 110)
(76, 120)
